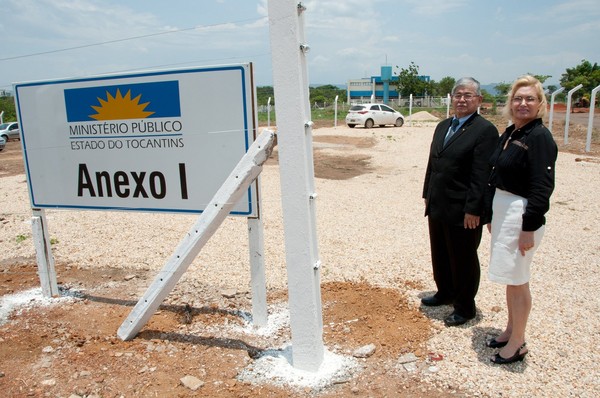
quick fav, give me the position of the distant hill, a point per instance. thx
(490, 88)
(340, 86)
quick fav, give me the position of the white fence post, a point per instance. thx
(551, 118)
(568, 115)
(335, 112)
(588, 141)
(294, 138)
(410, 102)
(269, 113)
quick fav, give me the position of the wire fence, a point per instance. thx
(417, 102)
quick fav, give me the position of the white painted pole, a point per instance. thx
(373, 96)
(258, 281)
(43, 251)
(447, 106)
(568, 115)
(294, 138)
(269, 113)
(588, 141)
(256, 249)
(551, 118)
(335, 111)
(410, 101)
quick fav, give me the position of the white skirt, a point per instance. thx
(507, 265)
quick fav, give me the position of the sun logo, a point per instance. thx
(119, 107)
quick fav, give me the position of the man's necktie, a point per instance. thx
(452, 131)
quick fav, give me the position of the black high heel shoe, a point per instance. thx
(500, 360)
(493, 343)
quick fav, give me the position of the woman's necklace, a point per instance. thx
(508, 139)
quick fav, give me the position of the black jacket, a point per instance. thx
(457, 174)
(526, 168)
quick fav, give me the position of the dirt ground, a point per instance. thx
(72, 349)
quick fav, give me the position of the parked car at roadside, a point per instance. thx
(10, 131)
(369, 115)
(2, 143)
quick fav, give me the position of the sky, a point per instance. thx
(493, 40)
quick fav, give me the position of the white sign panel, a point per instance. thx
(160, 141)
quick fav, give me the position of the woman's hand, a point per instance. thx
(525, 241)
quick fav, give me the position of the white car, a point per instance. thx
(2, 143)
(10, 131)
(369, 115)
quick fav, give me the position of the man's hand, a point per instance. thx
(471, 221)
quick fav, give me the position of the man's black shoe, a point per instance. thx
(455, 319)
(433, 301)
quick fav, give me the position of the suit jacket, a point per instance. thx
(457, 174)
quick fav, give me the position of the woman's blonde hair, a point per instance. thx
(526, 81)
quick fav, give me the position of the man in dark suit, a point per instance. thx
(457, 174)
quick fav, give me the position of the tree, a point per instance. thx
(487, 97)
(445, 86)
(585, 73)
(502, 88)
(320, 94)
(502, 91)
(541, 78)
(7, 104)
(263, 93)
(326, 94)
(409, 81)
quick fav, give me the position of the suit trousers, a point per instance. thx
(456, 268)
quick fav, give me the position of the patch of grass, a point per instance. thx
(21, 238)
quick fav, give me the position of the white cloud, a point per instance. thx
(433, 7)
(348, 52)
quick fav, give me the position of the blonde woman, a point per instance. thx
(523, 179)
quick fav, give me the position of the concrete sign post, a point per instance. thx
(294, 139)
(43, 251)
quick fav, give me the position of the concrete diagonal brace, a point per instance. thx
(246, 171)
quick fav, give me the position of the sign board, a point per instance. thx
(161, 141)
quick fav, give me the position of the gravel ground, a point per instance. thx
(371, 228)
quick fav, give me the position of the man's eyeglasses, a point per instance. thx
(528, 100)
(465, 96)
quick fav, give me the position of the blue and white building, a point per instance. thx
(376, 88)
